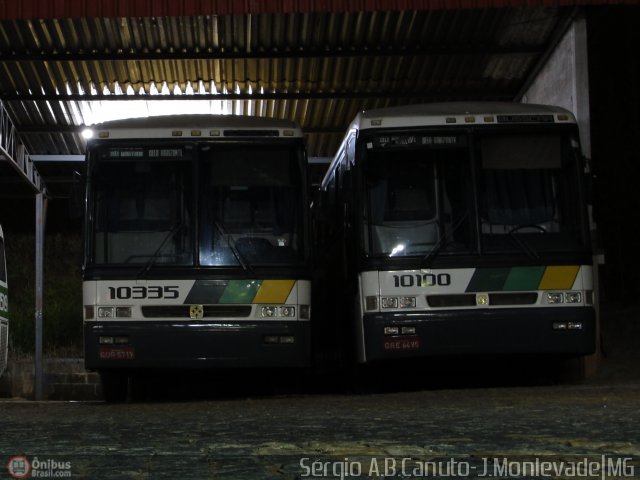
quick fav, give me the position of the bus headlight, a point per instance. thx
(573, 297)
(396, 302)
(123, 312)
(389, 302)
(114, 312)
(563, 297)
(106, 312)
(555, 297)
(273, 311)
(287, 311)
(407, 302)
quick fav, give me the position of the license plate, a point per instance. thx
(401, 344)
(116, 353)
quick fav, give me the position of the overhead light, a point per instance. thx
(87, 133)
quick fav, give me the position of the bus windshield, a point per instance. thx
(250, 206)
(240, 204)
(415, 198)
(143, 205)
(528, 192)
(420, 195)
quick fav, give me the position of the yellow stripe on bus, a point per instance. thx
(274, 291)
(559, 277)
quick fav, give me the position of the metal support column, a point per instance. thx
(38, 387)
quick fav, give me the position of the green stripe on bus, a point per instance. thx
(488, 279)
(524, 278)
(206, 292)
(240, 291)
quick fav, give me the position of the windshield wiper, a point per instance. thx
(170, 234)
(521, 243)
(442, 241)
(232, 245)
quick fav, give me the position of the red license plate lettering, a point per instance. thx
(401, 344)
(116, 353)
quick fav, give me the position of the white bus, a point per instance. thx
(455, 229)
(4, 307)
(197, 246)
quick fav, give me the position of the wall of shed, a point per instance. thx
(564, 80)
(595, 73)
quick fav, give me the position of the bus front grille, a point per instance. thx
(469, 299)
(209, 311)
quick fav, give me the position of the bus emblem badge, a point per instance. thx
(196, 312)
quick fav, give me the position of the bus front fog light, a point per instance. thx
(105, 340)
(271, 339)
(268, 311)
(391, 330)
(106, 312)
(559, 325)
(408, 330)
(120, 340)
(574, 326)
(573, 297)
(389, 302)
(555, 297)
(288, 339)
(407, 302)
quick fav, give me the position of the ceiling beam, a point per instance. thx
(133, 55)
(416, 94)
(562, 26)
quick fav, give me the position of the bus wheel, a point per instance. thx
(115, 384)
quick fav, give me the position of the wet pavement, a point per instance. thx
(479, 419)
(428, 432)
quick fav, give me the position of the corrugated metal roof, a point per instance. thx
(159, 8)
(317, 64)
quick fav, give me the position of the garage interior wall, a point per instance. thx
(614, 85)
(564, 80)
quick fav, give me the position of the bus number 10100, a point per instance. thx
(422, 280)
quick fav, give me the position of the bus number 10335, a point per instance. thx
(140, 292)
(422, 280)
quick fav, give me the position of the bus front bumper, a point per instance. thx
(132, 344)
(562, 331)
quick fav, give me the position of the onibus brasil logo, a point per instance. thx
(19, 466)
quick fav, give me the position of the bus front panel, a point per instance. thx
(197, 323)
